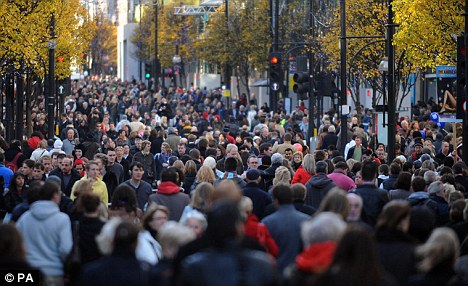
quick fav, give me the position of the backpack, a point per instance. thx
(13, 164)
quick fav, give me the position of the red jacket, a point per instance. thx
(259, 232)
(301, 176)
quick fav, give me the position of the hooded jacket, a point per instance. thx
(317, 188)
(170, 196)
(47, 236)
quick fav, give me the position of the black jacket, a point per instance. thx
(75, 176)
(317, 188)
(374, 200)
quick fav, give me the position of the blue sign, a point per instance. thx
(446, 71)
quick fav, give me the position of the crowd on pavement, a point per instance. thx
(176, 187)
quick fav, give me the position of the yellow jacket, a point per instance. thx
(99, 188)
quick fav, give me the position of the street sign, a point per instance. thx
(60, 89)
(275, 86)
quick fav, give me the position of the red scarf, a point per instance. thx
(317, 257)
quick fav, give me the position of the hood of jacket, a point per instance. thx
(319, 181)
(42, 210)
(168, 188)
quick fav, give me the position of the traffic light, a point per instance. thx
(147, 70)
(301, 84)
(461, 77)
(276, 71)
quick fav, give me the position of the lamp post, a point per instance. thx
(383, 67)
(176, 60)
(227, 67)
(51, 86)
(391, 85)
(465, 118)
(157, 66)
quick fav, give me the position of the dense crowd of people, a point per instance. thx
(173, 187)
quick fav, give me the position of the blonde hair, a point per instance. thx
(308, 163)
(202, 196)
(282, 176)
(190, 167)
(442, 246)
(206, 174)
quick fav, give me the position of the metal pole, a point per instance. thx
(156, 51)
(391, 87)
(465, 119)
(10, 89)
(19, 103)
(310, 54)
(344, 117)
(51, 87)
(227, 67)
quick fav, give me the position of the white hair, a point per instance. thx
(276, 158)
(105, 239)
(195, 215)
(323, 227)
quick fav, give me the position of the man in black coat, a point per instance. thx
(67, 174)
(318, 185)
(260, 198)
(356, 151)
(373, 198)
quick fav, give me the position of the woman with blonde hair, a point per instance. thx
(335, 201)
(201, 200)
(205, 174)
(297, 161)
(438, 256)
(40, 151)
(282, 176)
(305, 171)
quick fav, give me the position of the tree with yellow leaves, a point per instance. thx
(366, 18)
(427, 30)
(104, 46)
(243, 41)
(26, 31)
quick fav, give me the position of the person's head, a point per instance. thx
(253, 176)
(395, 216)
(418, 184)
(181, 148)
(17, 181)
(92, 169)
(308, 163)
(227, 190)
(436, 188)
(277, 159)
(321, 167)
(126, 237)
(418, 148)
(299, 192)
(230, 164)
(395, 169)
(282, 176)
(232, 151)
(67, 166)
(88, 203)
(404, 181)
(206, 174)
(196, 221)
(335, 201)
(11, 244)
(47, 162)
(266, 148)
(123, 202)
(456, 210)
(202, 196)
(252, 162)
(442, 248)
(70, 134)
(323, 227)
(369, 170)
(355, 204)
(155, 217)
(28, 166)
(170, 175)
(173, 235)
(288, 154)
(50, 191)
(111, 155)
(38, 171)
(136, 171)
(225, 223)
(297, 157)
(282, 194)
(358, 141)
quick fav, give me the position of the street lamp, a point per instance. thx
(176, 60)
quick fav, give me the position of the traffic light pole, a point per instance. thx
(310, 54)
(344, 117)
(51, 81)
(465, 118)
(391, 86)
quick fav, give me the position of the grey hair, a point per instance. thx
(172, 235)
(277, 158)
(436, 187)
(195, 215)
(442, 245)
(430, 177)
(308, 163)
(323, 227)
(105, 239)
